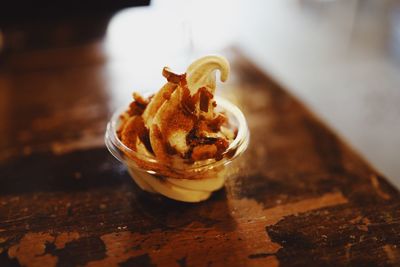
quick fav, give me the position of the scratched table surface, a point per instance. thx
(301, 198)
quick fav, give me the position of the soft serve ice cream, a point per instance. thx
(177, 136)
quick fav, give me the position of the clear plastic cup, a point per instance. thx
(181, 181)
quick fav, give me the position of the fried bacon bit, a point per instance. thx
(214, 103)
(207, 148)
(201, 147)
(215, 124)
(205, 97)
(188, 102)
(172, 77)
(138, 98)
(204, 152)
(137, 107)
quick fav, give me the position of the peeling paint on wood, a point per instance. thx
(30, 251)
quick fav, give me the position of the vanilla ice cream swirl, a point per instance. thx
(177, 141)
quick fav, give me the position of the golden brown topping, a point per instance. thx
(179, 121)
(203, 152)
(140, 100)
(205, 97)
(215, 124)
(129, 133)
(172, 77)
(138, 106)
(176, 121)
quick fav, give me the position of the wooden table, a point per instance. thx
(302, 197)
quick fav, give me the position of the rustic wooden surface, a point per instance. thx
(302, 197)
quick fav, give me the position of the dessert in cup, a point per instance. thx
(179, 142)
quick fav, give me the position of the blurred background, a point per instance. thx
(340, 57)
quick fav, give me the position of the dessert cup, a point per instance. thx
(181, 181)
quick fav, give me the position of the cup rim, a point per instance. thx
(121, 152)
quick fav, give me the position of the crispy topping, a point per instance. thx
(205, 97)
(179, 121)
(140, 100)
(215, 124)
(172, 77)
(203, 152)
(129, 132)
(138, 106)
